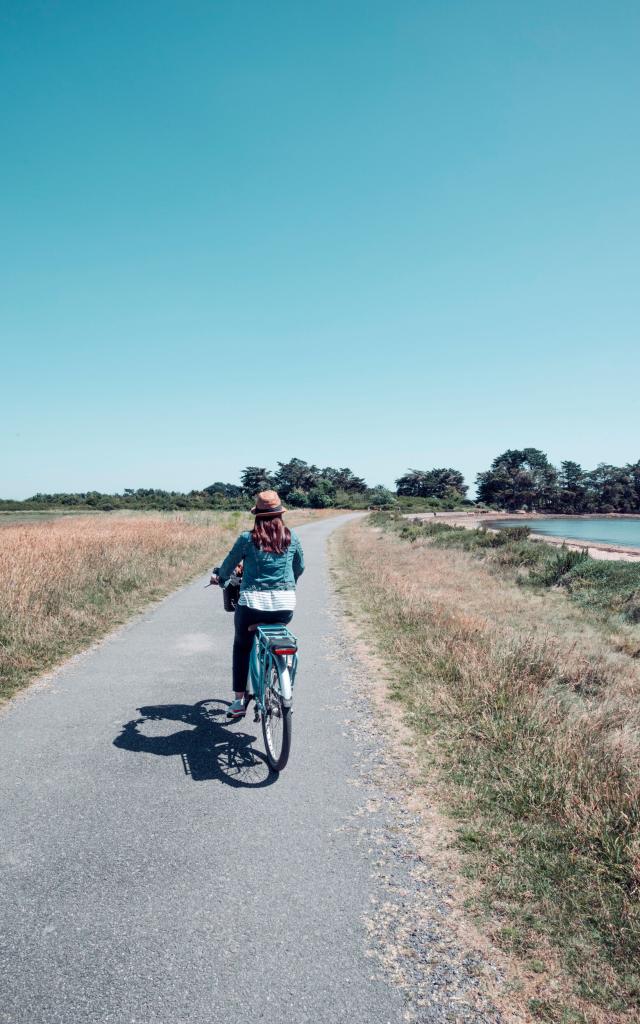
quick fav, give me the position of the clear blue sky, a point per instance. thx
(373, 234)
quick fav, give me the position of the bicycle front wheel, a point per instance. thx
(276, 723)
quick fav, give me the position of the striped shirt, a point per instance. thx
(269, 600)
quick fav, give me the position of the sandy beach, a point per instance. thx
(473, 519)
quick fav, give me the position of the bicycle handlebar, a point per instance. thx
(230, 585)
(233, 581)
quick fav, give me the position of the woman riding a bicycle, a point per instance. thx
(272, 560)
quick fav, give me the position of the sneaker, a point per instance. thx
(238, 709)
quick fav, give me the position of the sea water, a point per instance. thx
(596, 529)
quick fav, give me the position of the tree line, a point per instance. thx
(524, 478)
(299, 483)
(517, 479)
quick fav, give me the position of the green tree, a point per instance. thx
(613, 488)
(381, 497)
(634, 480)
(344, 479)
(227, 490)
(255, 479)
(295, 475)
(519, 478)
(572, 494)
(322, 495)
(431, 483)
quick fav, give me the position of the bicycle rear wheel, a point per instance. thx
(276, 723)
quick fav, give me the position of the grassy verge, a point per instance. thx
(65, 583)
(609, 589)
(524, 698)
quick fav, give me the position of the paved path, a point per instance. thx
(151, 869)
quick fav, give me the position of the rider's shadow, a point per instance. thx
(208, 750)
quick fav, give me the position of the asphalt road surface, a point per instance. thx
(152, 870)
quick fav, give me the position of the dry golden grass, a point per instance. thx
(66, 582)
(532, 715)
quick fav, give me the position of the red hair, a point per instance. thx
(270, 534)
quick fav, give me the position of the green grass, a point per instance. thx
(614, 586)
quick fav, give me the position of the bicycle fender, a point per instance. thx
(285, 679)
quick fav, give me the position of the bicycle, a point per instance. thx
(272, 671)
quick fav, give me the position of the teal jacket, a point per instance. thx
(262, 569)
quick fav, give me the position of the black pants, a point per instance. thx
(243, 639)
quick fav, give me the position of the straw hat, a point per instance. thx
(267, 504)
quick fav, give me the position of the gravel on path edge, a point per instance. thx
(414, 929)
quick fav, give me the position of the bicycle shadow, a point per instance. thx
(208, 749)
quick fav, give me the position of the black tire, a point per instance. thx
(276, 725)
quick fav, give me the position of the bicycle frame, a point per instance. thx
(263, 658)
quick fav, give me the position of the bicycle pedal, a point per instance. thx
(256, 715)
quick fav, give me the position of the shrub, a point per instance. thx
(298, 498)
(514, 533)
(606, 585)
(557, 567)
(414, 529)
(318, 497)
(380, 497)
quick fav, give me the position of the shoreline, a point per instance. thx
(472, 520)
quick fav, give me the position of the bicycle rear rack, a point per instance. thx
(275, 642)
(278, 639)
